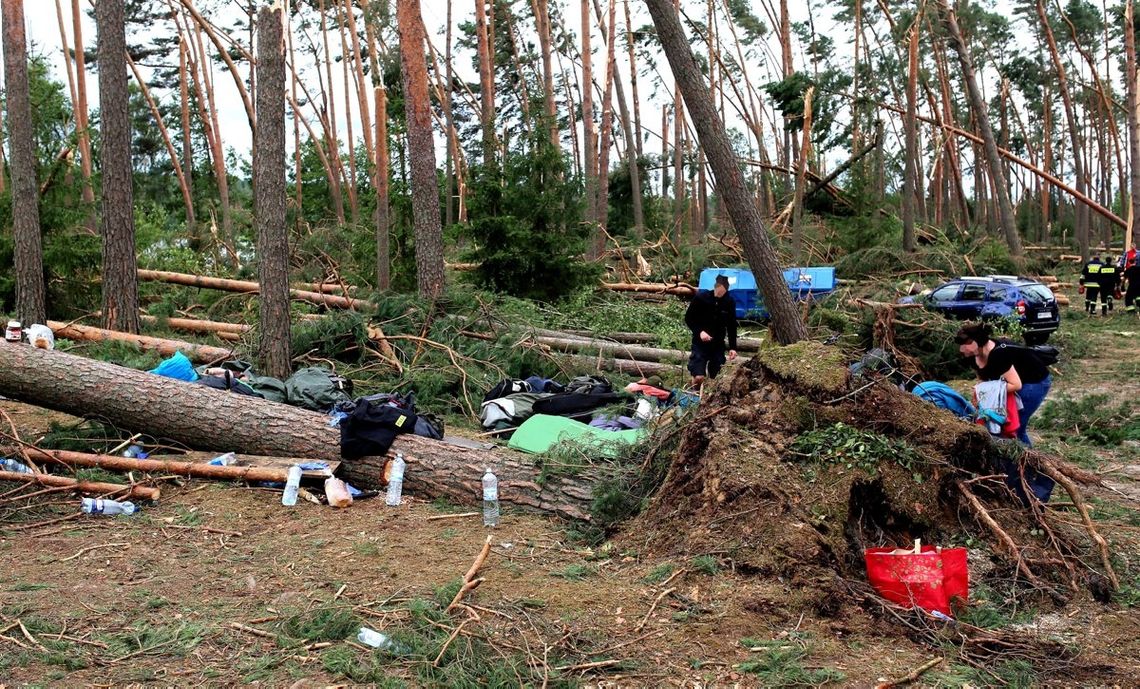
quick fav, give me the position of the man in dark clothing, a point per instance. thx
(1132, 289)
(1090, 285)
(711, 317)
(1109, 279)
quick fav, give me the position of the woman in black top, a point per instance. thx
(1020, 368)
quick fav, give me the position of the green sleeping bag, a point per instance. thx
(541, 432)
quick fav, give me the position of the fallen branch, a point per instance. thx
(469, 580)
(197, 325)
(435, 663)
(81, 551)
(680, 290)
(187, 469)
(911, 677)
(252, 630)
(653, 607)
(983, 515)
(1078, 501)
(91, 487)
(460, 515)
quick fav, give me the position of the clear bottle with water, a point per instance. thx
(292, 485)
(99, 506)
(375, 639)
(14, 466)
(225, 460)
(395, 481)
(490, 499)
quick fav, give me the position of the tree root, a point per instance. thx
(1053, 472)
(983, 515)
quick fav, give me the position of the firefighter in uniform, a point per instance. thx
(1109, 279)
(1132, 289)
(1090, 286)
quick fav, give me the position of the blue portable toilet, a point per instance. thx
(804, 283)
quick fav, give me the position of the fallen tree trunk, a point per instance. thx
(91, 487)
(633, 352)
(677, 290)
(743, 344)
(196, 325)
(633, 368)
(208, 419)
(197, 353)
(188, 469)
(247, 287)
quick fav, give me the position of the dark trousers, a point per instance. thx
(706, 358)
(1091, 294)
(1131, 296)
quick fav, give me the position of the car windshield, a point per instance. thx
(1037, 292)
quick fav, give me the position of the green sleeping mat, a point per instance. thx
(541, 432)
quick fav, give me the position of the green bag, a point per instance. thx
(317, 389)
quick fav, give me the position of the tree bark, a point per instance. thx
(910, 155)
(209, 419)
(383, 265)
(187, 162)
(333, 300)
(541, 11)
(120, 282)
(589, 136)
(274, 344)
(1133, 106)
(981, 119)
(421, 147)
(164, 466)
(31, 300)
(82, 124)
(486, 82)
(197, 325)
(202, 354)
(1082, 224)
(786, 324)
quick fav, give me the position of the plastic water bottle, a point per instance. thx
(224, 460)
(490, 499)
(292, 485)
(132, 452)
(373, 638)
(98, 506)
(12, 465)
(395, 481)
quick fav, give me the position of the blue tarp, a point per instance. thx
(804, 283)
(177, 367)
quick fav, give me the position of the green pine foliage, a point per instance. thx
(526, 221)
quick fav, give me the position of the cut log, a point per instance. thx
(165, 466)
(90, 487)
(196, 325)
(633, 352)
(743, 344)
(680, 290)
(632, 368)
(248, 287)
(208, 419)
(202, 354)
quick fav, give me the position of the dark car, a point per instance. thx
(999, 296)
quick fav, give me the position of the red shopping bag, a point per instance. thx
(928, 579)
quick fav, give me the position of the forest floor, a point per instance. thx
(220, 585)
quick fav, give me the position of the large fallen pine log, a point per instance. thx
(202, 354)
(632, 368)
(248, 287)
(198, 325)
(208, 419)
(90, 487)
(633, 352)
(743, 344)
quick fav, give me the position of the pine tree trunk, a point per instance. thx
(421, 148)
(82, 123)
(208, 419)
(632, 145)
(981, 119)
(589, 135)
(120, 281)
(383, 270)
(633, 90)
(332, 141)
(541, 11)
(209, 114)
(353, 179)
(187, 158)
(486, 82)
(607, 127)
(910, 169)
(732, 191)
(274, 345)
(31, 304)
(1133, 106)
(1080, 211)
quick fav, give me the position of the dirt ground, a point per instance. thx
(212, 585)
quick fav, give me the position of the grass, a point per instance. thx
(989, 609)
(24, 586)
(143, 637)
(575, 572)
(659, 573)
(706, 564)
(366, 549)
(780, 663)
(1093, 418)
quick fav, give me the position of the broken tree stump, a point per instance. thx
(208, 419)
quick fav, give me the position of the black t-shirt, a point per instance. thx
(1008, 354)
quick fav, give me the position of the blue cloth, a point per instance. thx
(1032, 395)
(621, 423)
(177, 367)
(946, 397)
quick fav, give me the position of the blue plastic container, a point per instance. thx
(804, 283)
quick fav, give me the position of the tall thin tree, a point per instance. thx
(1131, 76)
(786, 324)
(269, 194)
(31, 303)
(910, 156)
(421, 149)
(982, 123)
(120, 266)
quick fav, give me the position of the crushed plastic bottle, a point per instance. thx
(375, 639)
(395, 481)
(225, 460)
(490, 499)
(292, 485)
(134, 452)
(99, 506)
(14, 466)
